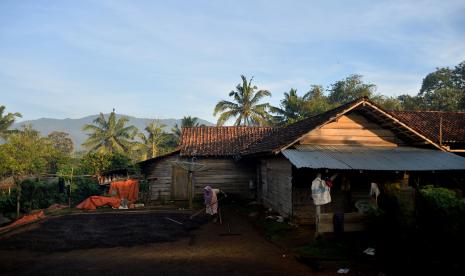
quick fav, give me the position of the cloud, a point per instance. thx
(179, 58)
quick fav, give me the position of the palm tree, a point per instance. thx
(110, 136)
(6, 121)
(151, 143)
(245, 106)
(186, 121)
(290, 110)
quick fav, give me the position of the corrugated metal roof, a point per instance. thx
(373, 158)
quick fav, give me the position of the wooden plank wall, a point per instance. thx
(158, 174)
(226, 174)
(276, 178)
(352, 129)
(223, 173)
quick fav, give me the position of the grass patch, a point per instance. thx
(322, 248)
(272, 229)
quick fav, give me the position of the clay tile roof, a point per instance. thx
(427, 123)
(219, 141)
(286, 135)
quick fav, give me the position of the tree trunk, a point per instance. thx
(18, 196)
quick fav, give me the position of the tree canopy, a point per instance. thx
(151, 143)
(61, 142)
(110, 136)
(246, 106)
(349, 89)
(25, 153)
(444, 89)
(186, 121)
(6, 120)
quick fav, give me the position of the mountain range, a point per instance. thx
(74, 126)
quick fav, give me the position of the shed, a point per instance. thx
(217, 149)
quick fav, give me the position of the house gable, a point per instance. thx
(352, 129)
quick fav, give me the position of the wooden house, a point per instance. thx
(215, 151)
(359, 140)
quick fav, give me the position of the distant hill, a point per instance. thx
(74, 126)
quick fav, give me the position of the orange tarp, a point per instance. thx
(128, 189)
(26, 219)
(93, 202)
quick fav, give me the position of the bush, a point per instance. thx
(83, 188)
(441, 211)
(40, 194)
(8, 204)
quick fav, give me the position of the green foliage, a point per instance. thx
(441, 198)
(322, 249)
(349, 89)
(245, 107)
(444, 89)
(294, 107)
(40, 194)
(291, 109)
(441, 211)
(25, 153)
(8, 204)
(186, 121)
(411, 102)
(110, 136)
(96, 163)
(315, 101)
(82, 188)
(6, 121)
(151, 143)
(61, 142)
(388, 103)
(170, 142)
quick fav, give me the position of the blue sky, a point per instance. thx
(167, 59)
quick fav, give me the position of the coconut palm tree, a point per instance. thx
(151, 143)
(245, 107)
(290, 110)
(110, 136)
(6, 121)
(186, 121)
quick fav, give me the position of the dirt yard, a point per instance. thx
(143, 244)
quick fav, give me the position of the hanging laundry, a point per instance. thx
(374, 191)
(320, 191)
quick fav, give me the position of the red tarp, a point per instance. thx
(92, 202)
(26, 219)
(128, 189)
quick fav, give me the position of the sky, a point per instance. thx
(168, 59)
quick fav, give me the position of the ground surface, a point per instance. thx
(143, 244)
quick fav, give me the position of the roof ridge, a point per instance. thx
(427, 111)
(219, 127)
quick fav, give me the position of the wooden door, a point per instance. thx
(179, 184)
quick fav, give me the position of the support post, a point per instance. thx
(190, 189)
(317, 220)
(18, 196)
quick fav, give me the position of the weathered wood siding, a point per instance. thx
(276, 184)
(222, 173)
(225, 174)
(159, 175)
(352, 129)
